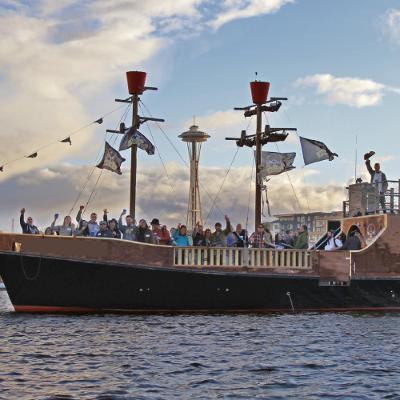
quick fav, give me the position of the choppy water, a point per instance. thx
(312, 356)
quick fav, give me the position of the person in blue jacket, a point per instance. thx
(180, 236)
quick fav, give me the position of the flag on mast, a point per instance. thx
(273, 163)
(112, 160)
(315, 151)
(135, 137)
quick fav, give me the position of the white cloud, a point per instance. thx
(55, 190)
(238, 9)
(390, 23)
(354, 92)
(60, 61)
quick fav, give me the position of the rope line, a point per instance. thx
(99, 154)
(302, 168)
(287, 174)
(250, 184)
(180, 156)
(8, 162)
(222, 184)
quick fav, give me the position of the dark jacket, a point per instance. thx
(144, 235)
(26, 228)
(352, 243)
(106, 234)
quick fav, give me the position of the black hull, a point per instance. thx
(45, 284)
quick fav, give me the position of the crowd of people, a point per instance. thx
(126, 228)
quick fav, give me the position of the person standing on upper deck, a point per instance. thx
(378, 179)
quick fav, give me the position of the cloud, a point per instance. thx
(390, 23)
(46, 191)
(354, 92)
(238, 9)
(58, 59)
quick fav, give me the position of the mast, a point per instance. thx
(257, 201)
(259, 93)
(132, 194)
(136, 86)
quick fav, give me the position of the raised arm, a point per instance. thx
(79, 215)
(369, 168)
(228, 225)
(22, 220)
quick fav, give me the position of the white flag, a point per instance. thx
(273, 163)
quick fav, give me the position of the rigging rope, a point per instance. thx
(302, 168)
(287, 174)
(115, 137)
(180, 156)
(250, 184)
(123, 117)
(222, 184)
(8, 162)
(161, 160)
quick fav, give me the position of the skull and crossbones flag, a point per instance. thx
(135, 137)
(273, 163)
(112, 160)
(315, 151)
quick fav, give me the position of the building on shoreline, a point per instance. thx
(317, 223)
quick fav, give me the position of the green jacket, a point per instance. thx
(302, 241)
(219, 240)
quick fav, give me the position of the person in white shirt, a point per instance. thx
(333, 243)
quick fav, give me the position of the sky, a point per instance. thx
(62, 64)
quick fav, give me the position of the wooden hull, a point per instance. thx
(41, 284)
(54, 274)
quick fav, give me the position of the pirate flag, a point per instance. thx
(314, 151)
(135, 137)
(273, 163)
(112, 160)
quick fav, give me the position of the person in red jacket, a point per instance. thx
(160, 233)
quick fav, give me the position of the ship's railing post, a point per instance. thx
(242, 257)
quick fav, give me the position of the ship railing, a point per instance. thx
(392, 201)
(241, 257)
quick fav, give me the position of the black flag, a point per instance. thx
(112, 160)
(67, 140)
(315, 151)
(33, 155)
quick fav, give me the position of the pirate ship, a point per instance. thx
(78, 274)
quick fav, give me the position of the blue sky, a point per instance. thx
(63, 63)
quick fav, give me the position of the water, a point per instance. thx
(313, 356)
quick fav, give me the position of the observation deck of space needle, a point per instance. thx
(259, 92)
